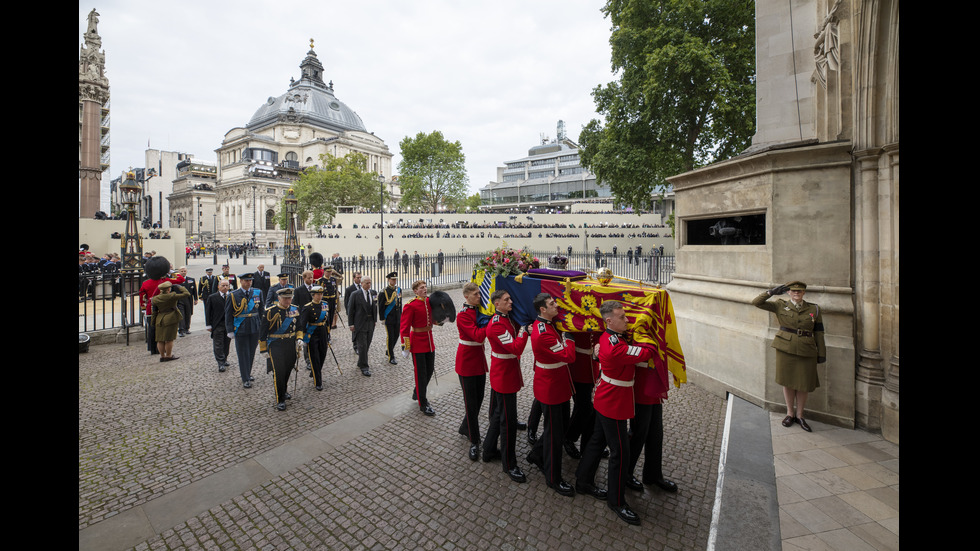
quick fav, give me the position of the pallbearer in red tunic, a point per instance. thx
(613, 406)
(506, 346)
(585, 372)
(471, 366)
(552, 389)
(647, 427)
(416, 334)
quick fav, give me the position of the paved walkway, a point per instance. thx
(179, 456)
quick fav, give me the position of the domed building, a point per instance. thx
(257, 163)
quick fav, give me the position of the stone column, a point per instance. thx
(870, 373)
(890, 268)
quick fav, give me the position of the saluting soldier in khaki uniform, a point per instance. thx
(799, 345)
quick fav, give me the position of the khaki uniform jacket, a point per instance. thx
(791, 320)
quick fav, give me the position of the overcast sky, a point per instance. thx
(493, 75)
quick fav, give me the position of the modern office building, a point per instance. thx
(549, 177)
(258, 163)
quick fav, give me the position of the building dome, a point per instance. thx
(308, 100)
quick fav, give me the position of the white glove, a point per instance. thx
(404, 353)
(231, 335)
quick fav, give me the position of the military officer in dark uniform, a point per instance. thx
(313, 320)
(243, 312)
(277, 343)
(207, 285)
(271, 296)
(389, 311)
(226, 274)
(329, 284)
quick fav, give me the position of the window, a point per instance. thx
(732, 230)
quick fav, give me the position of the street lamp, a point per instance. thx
(381, 183)
(132, 244)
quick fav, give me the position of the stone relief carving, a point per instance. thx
(826, 48)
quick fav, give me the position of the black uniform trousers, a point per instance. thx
(648, 434)
(583, 415)
(474, 387)
(282, 356)
(220, 344)
(316, 352)
(547, 450)
(391, 331)
(151, 338)
(534, 417)
(611, 432)
(186, 307)
(425, 366)
(503, 426)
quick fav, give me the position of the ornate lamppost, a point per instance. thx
(381, 182)
(132, 243)
(292, 263)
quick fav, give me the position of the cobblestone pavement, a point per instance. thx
(147, 429)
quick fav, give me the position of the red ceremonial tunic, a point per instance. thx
(506, 347)
(149, 289)
(585, 369)
(617, 363)
(552, 354)
(416, 326)
(651, 385)
(470, 357)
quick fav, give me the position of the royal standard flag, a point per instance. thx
(648, 309)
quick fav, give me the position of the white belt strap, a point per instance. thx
(616, 382)
(502, 356)
(549, 366)
(584, 350)
(470, 343)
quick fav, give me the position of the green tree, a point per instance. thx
(341, 181)
(432, 172)
(685, 96)
(473, 202)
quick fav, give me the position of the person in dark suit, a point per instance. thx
(302, 294)
(243, 312)
(214, 322)
(186, 304)
(348, 293)
(262, 279)
(362, 317)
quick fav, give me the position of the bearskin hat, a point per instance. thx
(442, 307)
(316, 260)
(156, 267)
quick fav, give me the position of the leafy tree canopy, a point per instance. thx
(432, 172)
(342, 181)
(685, 96)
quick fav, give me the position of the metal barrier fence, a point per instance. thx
(112, 300)
(108, 301)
